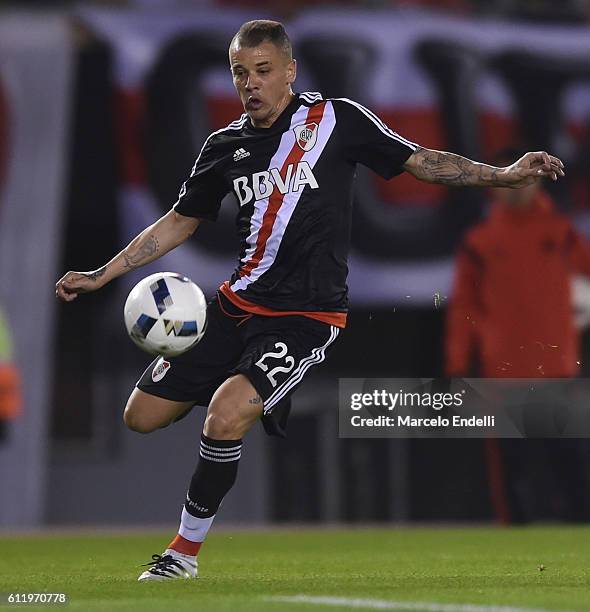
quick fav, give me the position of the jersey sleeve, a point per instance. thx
(201, 194)
(369, 141)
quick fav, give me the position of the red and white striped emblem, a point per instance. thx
(306, 135)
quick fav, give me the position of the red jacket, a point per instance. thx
(511, 307)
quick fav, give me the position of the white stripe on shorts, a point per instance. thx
(317, 356)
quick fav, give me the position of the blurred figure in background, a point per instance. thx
(511, 315)
(10, 398)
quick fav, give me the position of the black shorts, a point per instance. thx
(274, 353)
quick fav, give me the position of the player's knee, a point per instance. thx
(230, 415)
(221, 425)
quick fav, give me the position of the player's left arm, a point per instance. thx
(450, 169)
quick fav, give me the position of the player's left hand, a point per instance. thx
(533, 167)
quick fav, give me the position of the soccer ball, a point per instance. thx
(166, 314)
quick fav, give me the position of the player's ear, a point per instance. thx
(291, 71)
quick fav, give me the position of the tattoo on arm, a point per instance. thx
(255, 400)
(97, 273)
(143, 254)
(452, 169)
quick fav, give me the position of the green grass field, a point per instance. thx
(486, 568)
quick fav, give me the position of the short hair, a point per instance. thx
(253, 33)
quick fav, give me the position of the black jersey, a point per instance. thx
(294, 187)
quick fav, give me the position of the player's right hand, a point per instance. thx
(71, 284)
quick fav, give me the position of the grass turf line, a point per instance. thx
(482, 566)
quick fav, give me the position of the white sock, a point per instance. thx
(193, 528)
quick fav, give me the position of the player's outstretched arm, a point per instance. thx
(156, 240)
(451, 169)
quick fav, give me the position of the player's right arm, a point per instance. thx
(156, 240)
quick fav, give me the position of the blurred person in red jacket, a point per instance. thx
(511, 312)
(511, 315)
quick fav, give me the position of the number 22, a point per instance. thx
(289, 361)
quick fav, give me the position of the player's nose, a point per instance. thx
(252, 83)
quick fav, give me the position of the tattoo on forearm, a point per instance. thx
(144, 253)
(97, 273)
(255, 400)
(452, 169)
(441, 167)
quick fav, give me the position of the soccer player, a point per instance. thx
(290, 161)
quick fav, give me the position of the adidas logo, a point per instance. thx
(240, 154)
